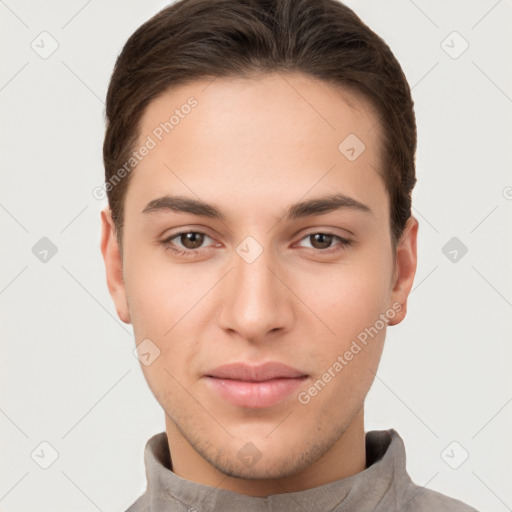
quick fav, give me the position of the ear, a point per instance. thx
(113, 265)
(405, 268)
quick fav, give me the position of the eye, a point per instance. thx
(322, 241)
(190, 242)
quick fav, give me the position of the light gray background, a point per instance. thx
(69, 376)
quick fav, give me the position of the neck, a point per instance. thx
(346, 457)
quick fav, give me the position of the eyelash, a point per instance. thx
(344, 243)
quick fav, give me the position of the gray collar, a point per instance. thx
(385, 475)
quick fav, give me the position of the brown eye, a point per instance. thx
(186, 243)
(192, 240)
(321, 240)
(326, 243)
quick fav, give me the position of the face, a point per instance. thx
(254, 278)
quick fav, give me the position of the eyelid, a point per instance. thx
(180, 230)
(314, 231)
(326, 231)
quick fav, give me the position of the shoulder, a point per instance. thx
(421, 499)
(405, 495)
(140, 505)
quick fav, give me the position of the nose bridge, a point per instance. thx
(255, 299)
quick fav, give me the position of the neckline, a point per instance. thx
(385, 463)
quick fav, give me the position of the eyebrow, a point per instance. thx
(309, 208)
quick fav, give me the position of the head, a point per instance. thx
(259, 164)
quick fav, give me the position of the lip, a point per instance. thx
(255, 387)
(259, 373)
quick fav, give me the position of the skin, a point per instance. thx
(252, 147)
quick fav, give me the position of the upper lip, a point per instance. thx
(259, 373)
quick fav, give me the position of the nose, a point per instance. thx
(258, 301)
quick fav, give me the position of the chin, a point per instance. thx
(264, 469)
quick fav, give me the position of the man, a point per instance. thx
(259, 161)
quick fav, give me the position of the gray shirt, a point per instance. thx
(384, 486)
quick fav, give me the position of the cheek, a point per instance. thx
(165, 302)
(349, 298)
(158, 300)
(155, 297)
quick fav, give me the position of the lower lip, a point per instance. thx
(255, 395)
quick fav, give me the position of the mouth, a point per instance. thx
(255, 387)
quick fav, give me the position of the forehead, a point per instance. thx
(272, 136)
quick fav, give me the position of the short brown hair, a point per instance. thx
(197, 39)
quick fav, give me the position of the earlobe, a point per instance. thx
(405, 268)
(113, 265)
